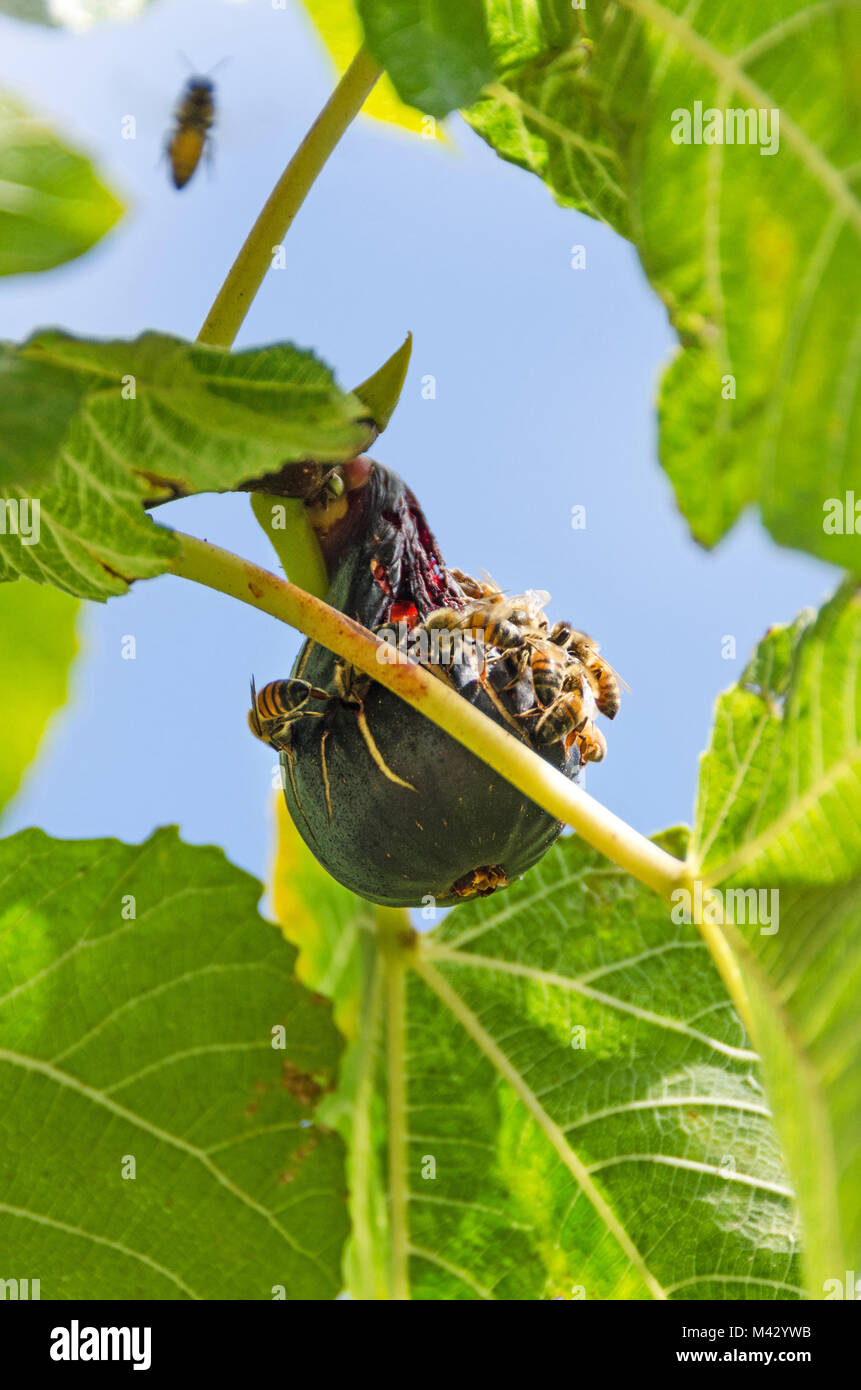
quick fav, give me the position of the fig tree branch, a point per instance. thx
(229, 574)
(245, 276)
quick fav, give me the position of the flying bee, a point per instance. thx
(277, 706)
(195, 115)
(604, 680)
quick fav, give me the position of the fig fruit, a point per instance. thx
(394, 808)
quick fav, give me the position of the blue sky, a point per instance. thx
(545, 388)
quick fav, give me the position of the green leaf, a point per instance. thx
(564, 1068)
(285, 519)
(52, 205)
(33, 11)
(158, 418)
(779, 813)
(785, 756)
(382, 391)
(435, 51)
(37, 405)
(548, 110)
(338, 25)
(762, 406)
(320, 918)
(73, 14)
(37, 645)
(333, 931)
(149, 1038)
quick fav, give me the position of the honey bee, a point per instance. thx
(569, 712)
(440, 641)
(547, 663)
(527, 610)
(498, 630)
(503, 619)
(477, 617)
(194, 117)
(483, 588)
(591, 743)
(277, 706)
(447, 618)
(604, 680)
(481, 882)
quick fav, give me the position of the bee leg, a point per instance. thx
(289, 756)
(351, 685)
(277, 733)
(324, 768)
(255, 726)
(592, 745)
(281, 734)
(494, 699)
(520, 669)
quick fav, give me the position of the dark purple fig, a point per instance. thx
(394, 808)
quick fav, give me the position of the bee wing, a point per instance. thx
(622, 682)
(533, 603)
(254, 714)
(490, 581)
(590, 641)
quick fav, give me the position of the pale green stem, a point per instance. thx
(246, 274)
(370, 1282)
(295, 542)
(545, 785)
(725, 959)
(395, 934)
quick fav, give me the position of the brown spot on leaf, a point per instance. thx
(302, 1086)
(307, 1148)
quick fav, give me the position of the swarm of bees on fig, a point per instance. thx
(571, 681)
(393, 807)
